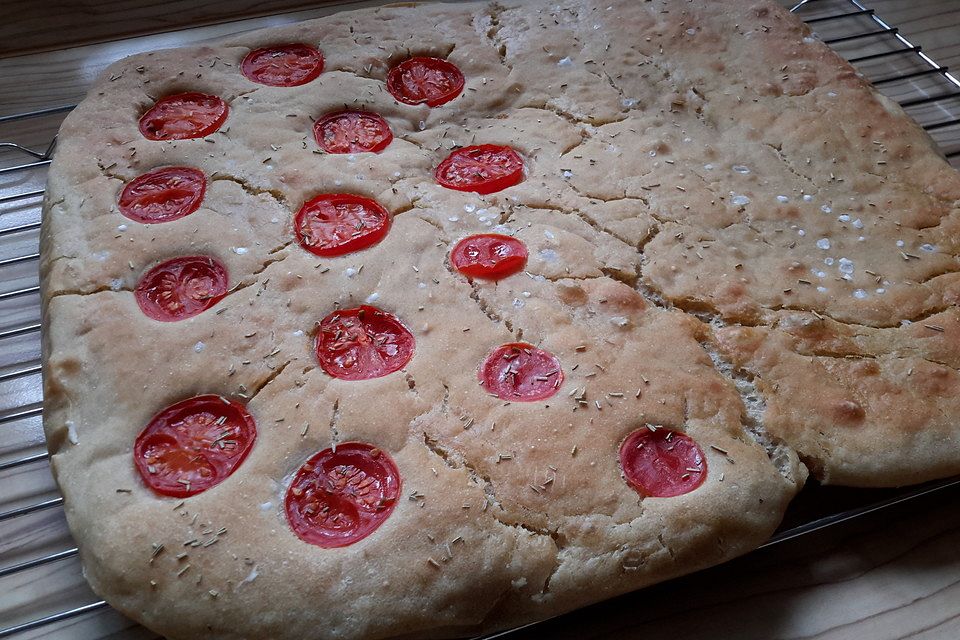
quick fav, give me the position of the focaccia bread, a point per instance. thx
(431, 320)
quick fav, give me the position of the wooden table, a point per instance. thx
(890, 575)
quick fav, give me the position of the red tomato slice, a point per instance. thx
(285, 65)
(363, 343)
(352, 132)
(521, 372)
(193, 445)
(484, 168)
(181, 288)
(425, 80)
(340, 496)
(662, 463)
(334, 224)
(491, 256)
(183, 116)
(163, 195)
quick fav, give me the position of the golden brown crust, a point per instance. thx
(657, 139)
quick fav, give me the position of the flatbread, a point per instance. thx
(698, 178)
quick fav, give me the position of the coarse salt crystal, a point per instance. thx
(72, 432)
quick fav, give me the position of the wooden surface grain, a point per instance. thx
(894, 574)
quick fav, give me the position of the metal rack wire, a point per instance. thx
(897, 67)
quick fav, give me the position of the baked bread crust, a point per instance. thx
(511, 511)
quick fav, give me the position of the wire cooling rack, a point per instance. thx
(40, 581)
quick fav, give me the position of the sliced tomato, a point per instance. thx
(363, 343)
(193, 445)
(490, 256)
(284, 65)
(183, 116)
(430, 81)
(484, 168)
(521, 372)
(662, 463)
(334, 224)
(341, 495)
(163, 195)
(352, 132)
(181, 288)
